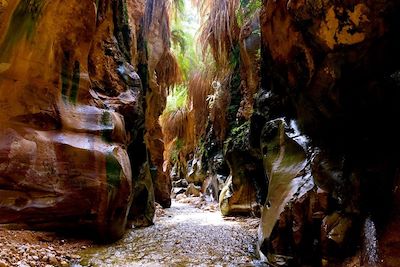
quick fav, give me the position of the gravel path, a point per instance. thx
(39, 249)
(183, 236)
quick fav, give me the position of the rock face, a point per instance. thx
(162, 73)
(246, 185)
(70, 104)
(333, 67)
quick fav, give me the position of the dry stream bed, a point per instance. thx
(182, 235)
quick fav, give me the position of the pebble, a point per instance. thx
(23, 264)
(20, 253)
(203, 236)
(53, 260)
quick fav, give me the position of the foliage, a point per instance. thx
(199, 87)
(220, 30)
(220, 103)
(178, 9)
(176, 99)
(179, 40)
(209, 91)
(182, 36)
(238, 137)
(176, 150)
(247, 9)
(167, 70)
(157, 20)
(175, 118)
(176, 124)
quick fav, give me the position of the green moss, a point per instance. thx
(234, 59)
(122, 29)
(22, 25)
(177, 149)
(113, 169)
(247, 10)
(75, 83)
(234, 87)
(106, 121)
(65, 78)
(238, 137)
(201, 147)
(69, 81)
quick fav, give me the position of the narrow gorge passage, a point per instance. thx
(120, 118)
(183, 235)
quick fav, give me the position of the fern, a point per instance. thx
(176, 99)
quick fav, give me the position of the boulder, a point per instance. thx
(193, 190)
(285, 163)
(177, 190)
(246, 186)
(180, 183)
(195, 172)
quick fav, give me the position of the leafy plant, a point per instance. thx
(174, 120)
(176, 99)
(247, 9)
(220, 30)
(183, 40)
(176, 150)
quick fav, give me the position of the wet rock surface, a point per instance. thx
(320, 67)
(183, 235)
(246, 185)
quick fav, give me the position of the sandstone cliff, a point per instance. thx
(71, 104)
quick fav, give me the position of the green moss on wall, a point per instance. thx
(113, 169)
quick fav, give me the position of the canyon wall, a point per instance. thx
(71, 116)
(331, 69)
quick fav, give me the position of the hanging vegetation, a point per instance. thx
(218, 80)
(199, 90)
(168, 71)
(219, 30)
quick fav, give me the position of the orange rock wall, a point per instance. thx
(69, 101)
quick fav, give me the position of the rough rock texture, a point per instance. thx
(249, 44)
(240, 193)
(334, 67)
(70, 104)
(157, 42)
(39, 249)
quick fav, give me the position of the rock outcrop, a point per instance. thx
(163, 72)
(246, 185)
(70, 104)
(334, 68)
